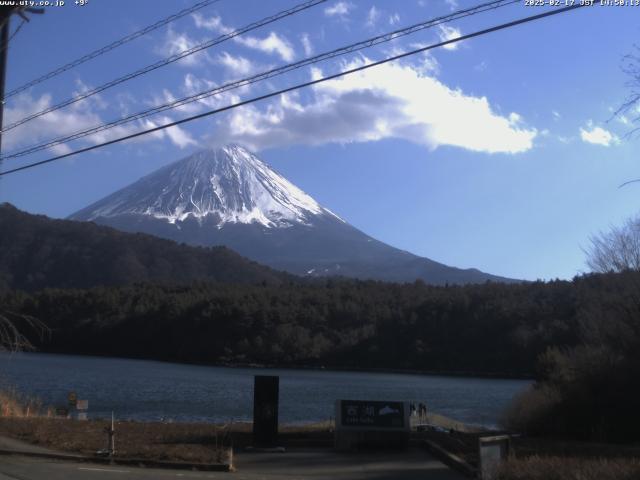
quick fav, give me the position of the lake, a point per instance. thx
(149, 390)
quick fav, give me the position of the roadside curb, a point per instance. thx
(136, 462)
(450, 459)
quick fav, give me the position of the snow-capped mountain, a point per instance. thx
(229, 184)
(228, 196)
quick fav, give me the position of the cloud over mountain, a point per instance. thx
(389, 101)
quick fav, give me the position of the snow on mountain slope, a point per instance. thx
(228, 196)
(229, 183)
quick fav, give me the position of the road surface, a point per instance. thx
(312, 464)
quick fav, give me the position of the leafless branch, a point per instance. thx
(616, 250)
(14, 328)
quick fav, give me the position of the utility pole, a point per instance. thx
(5, 20)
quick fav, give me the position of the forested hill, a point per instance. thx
(38, 252)
(494, 328)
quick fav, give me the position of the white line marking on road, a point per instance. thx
(103, 470)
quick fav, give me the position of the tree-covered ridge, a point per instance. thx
(38, 252)
(489, 329)
(580, 338)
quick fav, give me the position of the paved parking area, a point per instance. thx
(302, 464)
(327, 464)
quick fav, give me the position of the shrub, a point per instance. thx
(531, 411)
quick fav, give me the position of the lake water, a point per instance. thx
(148, 390)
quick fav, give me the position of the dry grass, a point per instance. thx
(13, 404)
(26, 419)
(197, 443)
(190, 442)
(568, 468)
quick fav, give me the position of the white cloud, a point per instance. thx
(429, 65)
(340, 9)
(53, 124)
(193, 85)
(168, 97)
(389, 101)
(272, 44)
(515, 118)
(176, 135)
(125, 101)
(61, 149)
(453, 4)
(394, 19)
(598, 135)
(176, 43)
(425, 63)
(556, 115)
(481, 67)
(95, 100)
(306, 44)
(81, 115)
(213, 23)
(372, 17)
(449, 33)
(237, 64)
(623, 119)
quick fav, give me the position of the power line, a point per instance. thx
(629, 182)
(5, 16)
(11, 37)
(302, 85)
(107, 48)
(266, 75)
(15, 32)
(173, 58)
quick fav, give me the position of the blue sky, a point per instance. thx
(499, 154)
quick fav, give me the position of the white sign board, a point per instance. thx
(82, 404)
(364, 424)
(372, 415)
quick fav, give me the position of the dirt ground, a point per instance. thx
(189, 442)
(209, 443)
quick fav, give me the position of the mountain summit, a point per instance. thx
(229, 184)
(228, 196)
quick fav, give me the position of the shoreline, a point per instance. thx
(319, 368)
(482, 408)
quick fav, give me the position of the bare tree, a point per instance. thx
(616, 250)
(619, 249)
(12, 331)
(629, 111)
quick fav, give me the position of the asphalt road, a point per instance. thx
(316, 464)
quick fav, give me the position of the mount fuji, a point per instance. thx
(228, 196)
